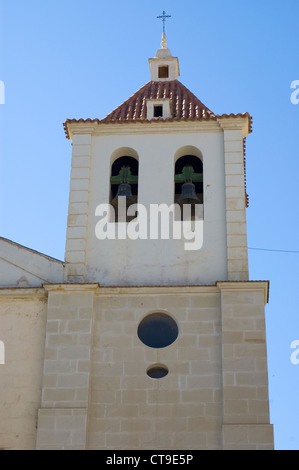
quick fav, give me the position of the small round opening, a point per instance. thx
(157, 371)
(157, 330)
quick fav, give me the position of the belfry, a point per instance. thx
(135, 341)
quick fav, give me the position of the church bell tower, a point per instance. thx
(160, 133)
(164, 342)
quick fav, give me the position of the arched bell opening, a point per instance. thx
(124, 186)
(188, 184)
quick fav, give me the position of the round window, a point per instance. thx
(157, 371)
(158, 330)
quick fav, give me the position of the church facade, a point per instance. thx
(150, 334)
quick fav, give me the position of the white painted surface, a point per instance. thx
(158, 262)
(22, 267)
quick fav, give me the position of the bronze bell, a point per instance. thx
(188, 194)
(124, 189)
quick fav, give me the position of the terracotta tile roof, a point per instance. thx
(184, 104)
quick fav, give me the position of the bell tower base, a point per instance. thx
(96, 392)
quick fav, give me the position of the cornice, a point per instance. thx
(71, 287)
(98, 290)
(241, 122)
(217, 123)
(24, 293)
(155, 126)
(245, 286)
(156, 290)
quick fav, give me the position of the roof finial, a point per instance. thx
(163, 51)
(164, 16)
(163, 41)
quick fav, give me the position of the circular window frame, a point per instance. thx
(158, 329)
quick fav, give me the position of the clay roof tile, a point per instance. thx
(185, 105)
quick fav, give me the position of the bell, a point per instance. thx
(124, 189)
(188, 194)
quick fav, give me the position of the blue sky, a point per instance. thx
(75, 59)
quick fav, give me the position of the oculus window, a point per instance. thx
(158, 330)
(157, 371)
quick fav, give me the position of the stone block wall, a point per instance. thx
(75, 250)
(75, 366)
(244, 367)
(22, 331)
(130, 410)
(62, 417)
(96, 391)
(237, 253)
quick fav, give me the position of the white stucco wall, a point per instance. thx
(23, 267)
(171, 62)
(157, 262)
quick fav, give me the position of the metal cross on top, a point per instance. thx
(164, 16)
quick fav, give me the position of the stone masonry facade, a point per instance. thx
(95, 390)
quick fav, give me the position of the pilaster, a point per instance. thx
(237, 252)
(245, 398)
(62, 417)
(75, 251)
